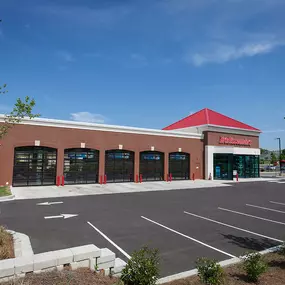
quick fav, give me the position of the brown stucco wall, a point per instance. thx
(213, 138)
(61, 138)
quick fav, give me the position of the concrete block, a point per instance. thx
(119, 266)
(106, 265)
(24, 264)
(106, 256)
(44, 260)
(63, 256)
(83, 263)
(74, 265)
(7, 267)
(50, 269)
(85, 252)
(59, 267)
(92, 263)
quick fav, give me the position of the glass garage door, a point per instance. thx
(34, 166)
(81, 166)
(119, 165)
(152, 165)
(179, 165)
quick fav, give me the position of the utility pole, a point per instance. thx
(279, 139)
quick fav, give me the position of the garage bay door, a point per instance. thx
(152, 165)
(119, 165)
(81, 166)
(34, 165)
(179, 165)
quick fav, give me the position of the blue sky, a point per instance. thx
(147, 63)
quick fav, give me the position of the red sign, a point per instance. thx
(232, 141)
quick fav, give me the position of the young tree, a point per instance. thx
(273, 158)
(22, 108)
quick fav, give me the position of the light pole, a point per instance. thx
(279, 139)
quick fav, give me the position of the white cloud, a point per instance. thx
(65, 56)
(224, 53)
(87, 117)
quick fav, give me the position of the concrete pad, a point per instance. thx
(85, 252)
(44, 260)
(7, 267)
(24, 264)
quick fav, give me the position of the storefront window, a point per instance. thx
(223, 166)
(247, 166)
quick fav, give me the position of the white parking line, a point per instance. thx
(233, 227)
(278, 203)
(188, 237)
(263, 208)
(255, 217)
(110, 241)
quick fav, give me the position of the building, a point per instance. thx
(203, 145)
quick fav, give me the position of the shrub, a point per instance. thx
(209, 271)
(254, 266)
(282, 249)
(142, 268)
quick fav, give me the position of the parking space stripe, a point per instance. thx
(278, 203)
(264, 208)
(110, 241)
(188, 237)
(255, 217)
(233, 227)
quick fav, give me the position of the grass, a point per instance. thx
(6, 244)
(5, 191)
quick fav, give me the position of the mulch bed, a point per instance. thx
(6, 244)
(81, 276)
(235, 275)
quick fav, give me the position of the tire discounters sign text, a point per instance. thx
(233, 141)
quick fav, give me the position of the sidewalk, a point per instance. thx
(36, 192)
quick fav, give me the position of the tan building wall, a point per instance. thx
(62, 138)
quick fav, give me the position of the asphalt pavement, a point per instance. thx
(220, 222)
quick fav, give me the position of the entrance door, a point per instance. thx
(152, 165)
(34, 165)
(223, 166)
(81, 166)
(179, 165)
(119, 165)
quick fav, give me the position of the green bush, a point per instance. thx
(142, 268)
(254, 265)
(282, 249)
(209, 271)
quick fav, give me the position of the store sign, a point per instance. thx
(232, 141)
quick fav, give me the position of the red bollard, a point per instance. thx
(170, 177)
(105, 179)
(137, 178)
(101, 180)
(193, 176)
(140, 178)
(62, 180)
(57, 180)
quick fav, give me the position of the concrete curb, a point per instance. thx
(22, 244)
(225, 263)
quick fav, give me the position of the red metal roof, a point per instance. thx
(209, 117)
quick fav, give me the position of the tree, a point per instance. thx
(273, 158)
(283, 154)
(22, 108)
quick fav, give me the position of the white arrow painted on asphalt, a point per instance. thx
(49, 203)
(65, 216)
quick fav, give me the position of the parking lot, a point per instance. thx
(220, 222)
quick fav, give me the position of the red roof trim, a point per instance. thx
(209, 117)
